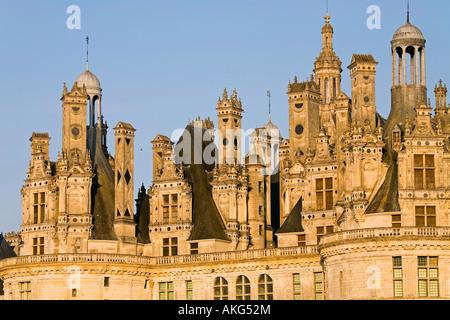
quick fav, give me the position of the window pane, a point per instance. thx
(398, 288)
(329, 200)
(318, 276)
(239, 290)
(329, 183)
(433, 261)
(261, 288)
(397, 261)
(422, 272)
(431, 211)
(418, 161)
(398, 273)
(429, 161)
(319, 184)
(318, 286)
(422, 261)
(418, 178)
(423, 288)
(433, 273)
(434, 288)
(431, 221)
(319, 198)
(330, 229)
(429, 175)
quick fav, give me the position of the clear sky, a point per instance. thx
(163, 62)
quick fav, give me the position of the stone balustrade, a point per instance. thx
(385, 232)
(144, 260)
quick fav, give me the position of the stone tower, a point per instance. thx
(124, 225)
(408, 77)
(229, 113)
(327, 67)
(304, 101)
(74, 175)
(74, 123)
(362, 75)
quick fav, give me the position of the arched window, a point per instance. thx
(220, 289)
(242, 288)
(265, 287)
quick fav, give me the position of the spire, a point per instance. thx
(407, 14)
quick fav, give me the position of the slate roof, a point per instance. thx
(102, 194)
(5, 249)
(293, 223)
(206, 218)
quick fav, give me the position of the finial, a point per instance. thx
(225, 94)
(87, 53)
(327, 18)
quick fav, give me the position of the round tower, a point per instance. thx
(408, 76)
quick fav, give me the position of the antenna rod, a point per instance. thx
(268, 94)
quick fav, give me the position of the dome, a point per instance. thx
(88, 79)
(408, 31)
(327, 28)
(270, 126)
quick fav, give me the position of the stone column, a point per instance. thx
(405, 82)
(416, 56)
(394, 68)
(423, 80)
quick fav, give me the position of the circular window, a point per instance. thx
(75, 131)
(366, 99)
(299, 105)
(299, 129)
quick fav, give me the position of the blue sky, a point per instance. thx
(161, 63)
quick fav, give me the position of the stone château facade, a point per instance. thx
(350, 206)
